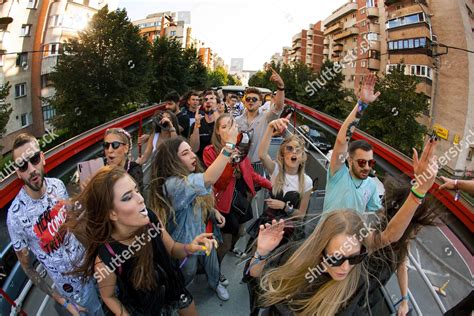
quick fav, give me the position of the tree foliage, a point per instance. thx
(393, 117)
(102, 74)
(5, 108)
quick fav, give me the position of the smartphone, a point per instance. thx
(287, 110)
(88, 168)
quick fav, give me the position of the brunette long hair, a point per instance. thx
(89, 220)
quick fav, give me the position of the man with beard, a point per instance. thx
(350, 186)
(203, 127)
(34, 223)
(253, 119)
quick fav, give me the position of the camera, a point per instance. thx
(165, 126)
(244, 140)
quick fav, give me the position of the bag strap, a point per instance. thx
(112, 253)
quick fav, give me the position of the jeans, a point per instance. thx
(89, 300)
(210, 264)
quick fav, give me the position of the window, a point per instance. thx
(22, 60)
(370, 3)
(470, 154)
(363, 64)
(54, 48)
(56, 20)
(390, 46)
(45, 81)
(24, 120)
(48, 112)
(354, 39)
(408, 43)
(406, 20)
(25, 30)
(372, 36)
(32, 4)
(20, 90)
(362, 12)
(173, 33)
(363, 24)
(354, 15)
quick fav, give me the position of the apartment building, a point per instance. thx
(29, 49)
(307, 47)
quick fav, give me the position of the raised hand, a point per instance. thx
(270, 236)
(276, 78)
(197, 117)
(279, 125)
(425, 167)
(448, 184)
(367, 94)
(202, 242)
(229, 135)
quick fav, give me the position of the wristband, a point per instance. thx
(361, 106)
(405, 298)
(66, 303)
(226, 153)
(229, 145)
(259, 257)
(417, 194)
(456, 185)
(417, 200)
(458, 192)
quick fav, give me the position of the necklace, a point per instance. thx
(356, 186)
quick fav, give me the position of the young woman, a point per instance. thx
(181, 194)
(165, 125)
(329, 269)
(291, 186)
(117, 151)
(126, 247)
(234, 189)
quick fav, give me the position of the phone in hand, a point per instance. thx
(287, 110)
(89, 168)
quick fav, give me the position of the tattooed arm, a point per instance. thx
(367, 96)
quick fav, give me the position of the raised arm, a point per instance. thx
(275, 127)
(280, 95)
(402, 277)
(425, 170)
(194, 140)
(148, 151)
(25, 262)
(367, 96)
(214, 171)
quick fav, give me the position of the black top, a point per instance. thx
(183, 121)
(136, 172)
(170, 293)
(205, 134)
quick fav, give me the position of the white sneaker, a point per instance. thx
(223, 280)
(222, 292)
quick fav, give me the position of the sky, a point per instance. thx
(249, 29)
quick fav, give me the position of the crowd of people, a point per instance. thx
(125, 247)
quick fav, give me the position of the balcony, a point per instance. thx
(296, 37)
(375, 45)
(336, 27)
(297, 45)
(326, 51)
(337, 47)
(326, 41)
(413, 9)
(373, 64)
(349, 32)
(342, 11)
(374, 28)
(373, 12)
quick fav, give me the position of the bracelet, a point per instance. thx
(259, 257)
(66, 303)
(230, 145)
(458, 192)
(456, 187)
(226, 153)
(417, 200)
(405, 297)
(417, 194)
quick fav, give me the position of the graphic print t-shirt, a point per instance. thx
(36, 224)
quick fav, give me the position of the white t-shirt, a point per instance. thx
(292, 181)
(266, 107)
(35, 224)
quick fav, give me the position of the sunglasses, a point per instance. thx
(253, 99)
(293, 149)
(337, 261)
(115, 145)
(363, 162)
(35, 159)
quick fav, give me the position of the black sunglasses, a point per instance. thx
(363, 162)
(115, 144)
(253, 99)
(23, 165)
(337, 261)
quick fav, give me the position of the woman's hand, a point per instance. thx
(425, 167)
(279, 125)
(270, 236)
(275, 204)
(75, 309)
(202, 242)
(229, 135)
(403, 308)
(143, 139)
(219, 219)
(197, 118)
(166, 122)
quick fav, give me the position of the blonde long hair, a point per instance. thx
(216, 139)
(166, 164)
(279, 285)
(280, 160)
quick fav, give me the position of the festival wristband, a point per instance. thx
(226, 153)
(417, 194)
(361, 106)
(66, 303)
(230, 145)
(405, 298)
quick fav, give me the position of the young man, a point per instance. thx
(189, 113)
(256, 120)
(203, 127)
(233, 105)
(351, 187)
(34, 222)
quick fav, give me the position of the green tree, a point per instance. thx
(392, 118)
(197, 71)
(5, 109)
(102, 74)
(218, 77)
